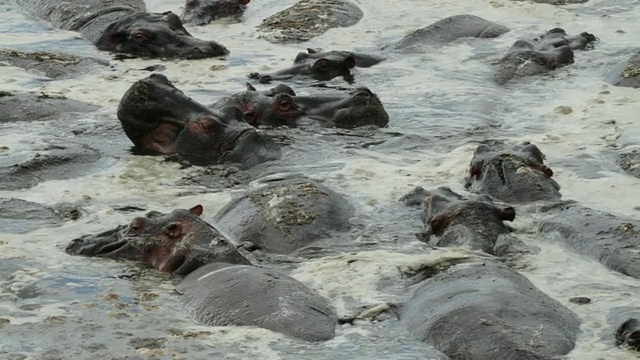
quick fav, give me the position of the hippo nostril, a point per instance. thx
(73, 246)
(218, 50)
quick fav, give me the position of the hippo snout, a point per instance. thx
(207, 50)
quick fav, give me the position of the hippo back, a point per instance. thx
(221, 294)
(285, 216)
(489, 311)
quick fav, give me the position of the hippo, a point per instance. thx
(610, 239)
(308, 19)
(285, 215)
(553, 50)
(452, 220)
(488, 311)
(628, 333)
(125, 26)
(221, 286)
(278, 107)
(21, 216)
(450, 29)
(628, 76)
(629, 162)
(160, 119)
(202, 12)
(512, 174)
(26, 106)
(321, 66)
(51, 65)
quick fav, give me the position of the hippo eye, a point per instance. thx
(136, 225)
(284, 105)
(140, 36)
(321, 65)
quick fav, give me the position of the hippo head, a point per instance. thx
(449, 218)
(325, 66)
(159, 118)
(359, 107)
(514, 175)
(178, 242)
(202, 12)
(156, 35)
(629, 334)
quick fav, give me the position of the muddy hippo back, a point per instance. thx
(308, 19)
(449, 29)
(285, 216)
(489, 312)
(221, 294)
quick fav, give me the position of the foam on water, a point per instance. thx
(441, 104)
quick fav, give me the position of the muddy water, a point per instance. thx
(441, 104)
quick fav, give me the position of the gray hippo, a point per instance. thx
(202, 12)
(513, 174)
(125, 26)
(221, 286)
(452, 220)
(52, 65)
(630, 163)
(628, 333)
(321, 66)
(285, 216)
(278, 107)
(308, 19)
(489, 312)
(449, 29)
(21, 216)
(21, 106)
(629, 76)
(160, 119)
(551, 51)
(610, 239)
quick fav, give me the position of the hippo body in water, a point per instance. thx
(321, 66)
(51, 65)
(489, 312)
(630, 75)
(285, 216)
(125, 26)
(610, 239)
(40, 107)
(549, 52)
(512, 174)
(476, 223)
(159, 118)
(202, 12)
(308, 19)
(448, 30)
(221, 286)
(281, 107)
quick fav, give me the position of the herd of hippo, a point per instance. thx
(482, 310)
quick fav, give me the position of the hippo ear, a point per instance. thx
(507, 214)
(197, 210)
(250, 87)
(349, 62)
(439, 223)
(311, 51)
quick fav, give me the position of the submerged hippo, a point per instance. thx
(52, 65)
(321, 66)
(202, 12)
(449, 29)
(610, 239)
(551, 51)
(125, 26)
(628, 333)
(489, 312)
(21, 216)
(285, 216)
(308, 19)
(159, 118)
(512, 174)
(278, 107)
(630, 163)
(221, 287)
(630, 75)
(452, 220)
(20, 106)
